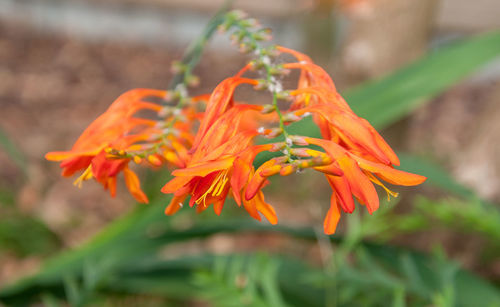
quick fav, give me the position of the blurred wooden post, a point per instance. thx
(387, 35)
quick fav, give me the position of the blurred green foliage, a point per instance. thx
(21, 234)
(24, 235)
(128, 257)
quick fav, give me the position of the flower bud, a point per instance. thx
(288, 169)
(154, 160)
(137, 159)
(298, 140)
(291, 117)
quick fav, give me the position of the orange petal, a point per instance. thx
(351, 126)
(218, 205)
(200, 208)
(330, 169)
(298, 55)
(266, 209)
(341, 188)
(133, 185)
(204, 169)
(173, 158)
(241, 171)
(175, 184)
(72, 165)
(219, 102)
(360, 185)
(63, 155)
(251, 208)
(332, 216)
(389, 174)
(112, 186)
(382, 144)
(270, 171)
(175, 204)
(257, 181)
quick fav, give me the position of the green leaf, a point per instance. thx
(383, 102)
(25, 235)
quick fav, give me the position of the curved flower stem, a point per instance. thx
(183, 78)
(193, 53)
(287, 150)
(251, 41)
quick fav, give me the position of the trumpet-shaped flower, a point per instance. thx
(221, 165)
(115, 130)
(358, 176)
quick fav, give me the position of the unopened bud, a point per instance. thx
(263, 35)
(165, 112)
(279, 70)
(278, 146)
(291, 117)
(305, 163)
(249, 23)
(193, 80)
(154, 160)
(271, 51)
(178, 67)
(137, 159)
(268, 108)
(298, 140)
(261, 85)
(272, 170)
(288, 169)
(274, 132)
(299, 152)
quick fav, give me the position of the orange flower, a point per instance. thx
(316, 94)
(221, 165)
(115, 129)
(219, 102)
(356, 179)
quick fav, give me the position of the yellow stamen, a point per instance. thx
(221, 185)
(215, 188)
(376, 181)
(307, 99)
(87, 174)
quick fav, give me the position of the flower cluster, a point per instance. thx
(116, 138)
(216, 158)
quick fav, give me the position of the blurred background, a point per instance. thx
(62, 62)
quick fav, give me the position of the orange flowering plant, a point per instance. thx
(213, 151)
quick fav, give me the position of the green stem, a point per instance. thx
(193, 53)
(260, 54)
(280, 116)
